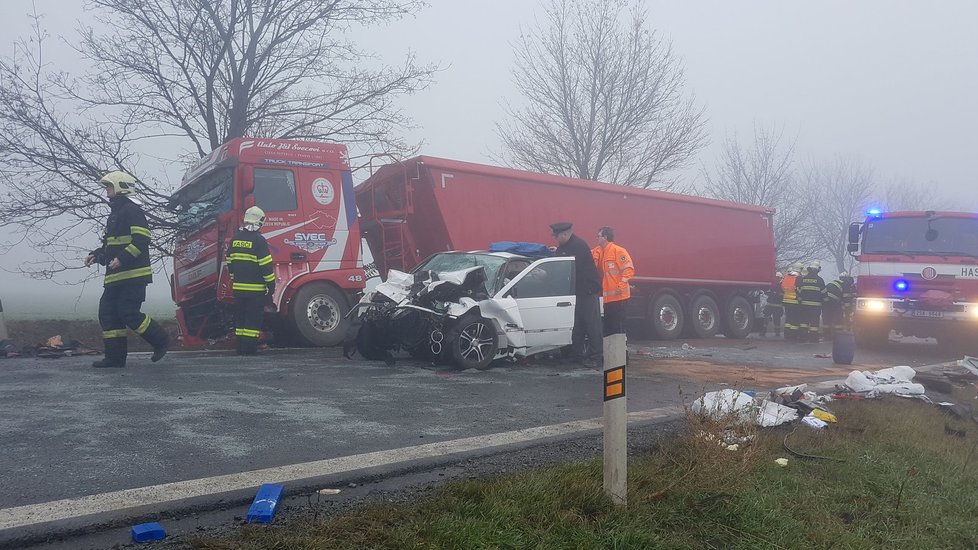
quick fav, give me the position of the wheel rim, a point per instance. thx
(668, 318)
(706, 318)
(323, 313)
(475, 342)
(741, 319)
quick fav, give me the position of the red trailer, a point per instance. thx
(700, 263)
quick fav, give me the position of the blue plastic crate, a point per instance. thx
(145, 532)
(266, 502)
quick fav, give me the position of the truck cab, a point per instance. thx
(306, 191)
(918, 275)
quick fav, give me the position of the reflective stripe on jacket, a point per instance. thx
(810, 289)
(250, 263)
(616, 269)
(127, 238)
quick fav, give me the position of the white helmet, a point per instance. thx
(121, 182)
(254, 217)
(843, 275)
(816, 265)
(779, 275)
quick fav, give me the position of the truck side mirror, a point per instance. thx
(853, 247)
(854, 230)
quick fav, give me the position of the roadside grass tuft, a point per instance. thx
(891, 477)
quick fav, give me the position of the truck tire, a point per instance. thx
(704, 316)
(317, 313)
(738, 318)
(666, 317)
(476, 344)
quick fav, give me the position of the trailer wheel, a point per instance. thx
(317, 313)
(666, 316)
(704, 315)
(476, 344)
(738, 318)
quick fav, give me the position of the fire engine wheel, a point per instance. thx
(317, 313)
(738, 318)
(704, 315)
(476, 344)
(666, 315)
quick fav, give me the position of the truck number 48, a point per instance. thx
(356, 278)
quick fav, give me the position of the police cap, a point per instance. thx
(560, 227)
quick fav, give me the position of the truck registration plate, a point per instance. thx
(931, 314)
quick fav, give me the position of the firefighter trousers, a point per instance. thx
(248, 311)
(809, 327)
(792, 320)
(118, 312)
(614, 317)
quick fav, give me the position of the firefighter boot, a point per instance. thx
(116, 350)
(157, 337)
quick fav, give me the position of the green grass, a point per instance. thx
(900, 482)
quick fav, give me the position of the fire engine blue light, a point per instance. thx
(874, 212)
(901, 285)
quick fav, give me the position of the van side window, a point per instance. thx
(275, 190)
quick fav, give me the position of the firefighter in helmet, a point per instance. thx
(125, 255)
(810, 290)
(790, 301)
(252, 278)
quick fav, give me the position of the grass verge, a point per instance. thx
(892, 478)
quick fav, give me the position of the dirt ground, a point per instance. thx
(736, 375)
(25, 333)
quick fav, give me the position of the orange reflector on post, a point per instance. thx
(614, 383)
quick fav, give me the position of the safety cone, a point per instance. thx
(3, 324)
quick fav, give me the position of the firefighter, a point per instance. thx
(615, 268)
(848, 299)
(809, 290)
(125, 253)
(252, 279)
(774, 308)
(833, 313)
(790, 302)
(587, 344)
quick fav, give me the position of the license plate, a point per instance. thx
(931, 314)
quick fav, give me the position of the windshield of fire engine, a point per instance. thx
(949, 236)
(203, 199)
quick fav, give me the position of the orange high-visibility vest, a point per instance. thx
(788, 285)
(616, 269)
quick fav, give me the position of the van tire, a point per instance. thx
(317, 313)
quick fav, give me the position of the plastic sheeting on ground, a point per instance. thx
(895, 380)
(743, 407)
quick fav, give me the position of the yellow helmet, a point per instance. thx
(254, 216)
(121, 182)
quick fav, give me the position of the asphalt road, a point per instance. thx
(70, 430)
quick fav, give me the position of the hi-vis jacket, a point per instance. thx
(127, 237)
(616, 269)
(250, 263)
(788, 284)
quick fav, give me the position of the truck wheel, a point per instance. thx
(666, 316)
(476, 344)
(704, 315)
(317, 313)
(738, 318)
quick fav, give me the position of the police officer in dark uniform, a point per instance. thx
(125, 253)
(250, 265)
(587, 342)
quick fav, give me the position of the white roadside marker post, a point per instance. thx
(3, 325)
(615, 418)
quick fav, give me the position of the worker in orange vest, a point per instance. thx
(616, 269)
(792, 321)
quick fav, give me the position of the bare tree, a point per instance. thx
(838, 193)
(909, 195)
(191, 72)
(603, 98)
(763, 174)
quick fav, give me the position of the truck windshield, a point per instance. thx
(949, 236)
(456, 261)
(203, 199)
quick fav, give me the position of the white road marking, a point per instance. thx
(58, 510)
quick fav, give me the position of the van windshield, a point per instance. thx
(202, 200)
(942, 236)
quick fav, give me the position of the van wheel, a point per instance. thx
(666, 317)
(476, 344)
(317, 312)
(704, 316)
(738, 318)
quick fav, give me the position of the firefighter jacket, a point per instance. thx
(127, 238)
(616, 269)
(834, 293)
(250, 263)
(775, 296)
(810, 290)
(788, 286)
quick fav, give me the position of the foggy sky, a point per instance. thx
(892, 82)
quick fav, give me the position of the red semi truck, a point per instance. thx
(918, 276)
(306, 191)
(700, 263)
